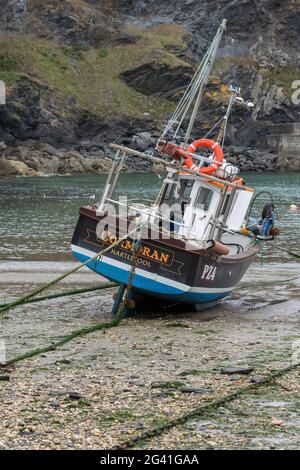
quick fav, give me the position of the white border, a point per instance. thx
(154, 277)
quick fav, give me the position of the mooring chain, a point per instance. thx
(24, 299)
(135, 257)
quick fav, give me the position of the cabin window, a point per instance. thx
(183, 191)
(225, 205)
(187, 189)
(169, 191)
(204, 198)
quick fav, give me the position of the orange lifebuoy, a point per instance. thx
(208, 143)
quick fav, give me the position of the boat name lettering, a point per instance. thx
(209, 272)
(145, 251)
(129, 257)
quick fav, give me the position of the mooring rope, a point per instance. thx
(295, 255)
(75, 334)
(26, 297)
(84, 331)
(201, 410)
(106, 285)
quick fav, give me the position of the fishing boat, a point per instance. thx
(196, 241)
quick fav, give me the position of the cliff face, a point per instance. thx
(83, 73)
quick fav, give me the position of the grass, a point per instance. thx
(102, 53)
(282, 77)
(90, 76)
(10, 77)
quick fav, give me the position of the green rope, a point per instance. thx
(202, 410)
(106, 285)
(295, 255)
(84, 331)
(75, 334)
(40, 289)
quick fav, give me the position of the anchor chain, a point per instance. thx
(135, 256)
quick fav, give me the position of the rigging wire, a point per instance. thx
(187, 99)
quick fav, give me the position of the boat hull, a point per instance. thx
(166, 268)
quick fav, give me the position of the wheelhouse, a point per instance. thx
(200, 209)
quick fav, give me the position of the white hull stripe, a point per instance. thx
(151, 276)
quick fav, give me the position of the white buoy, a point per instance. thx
(293, 209)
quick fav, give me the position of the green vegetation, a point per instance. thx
(10, 77)
(83, 402)
(172, 384)
(102, 53)
(7, 63)
(283, 77)
(74, 52)
(89, 75)
(121, 416)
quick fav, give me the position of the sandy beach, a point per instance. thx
(106, 387)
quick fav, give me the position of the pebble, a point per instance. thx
(195, 390)
(232, 370)
(277, 422)
(257, 380)
(55, 404)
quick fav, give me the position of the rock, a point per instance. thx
(12, 11)
(64, 361)
(199, 390)
(24, 170)
(76, 435)
(232, 370)
(4, 378)
(74, 396)
(143, 140)
(21, 114)
(257, 379)
(162, 395)
(47, 103)
(60, 393)
(54, 404)
(7, 169)
(277, 422)
(159, 78)
(167, 384)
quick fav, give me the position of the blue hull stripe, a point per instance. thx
(150, 286)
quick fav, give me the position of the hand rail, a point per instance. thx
(176, 167)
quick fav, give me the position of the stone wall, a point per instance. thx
(285, 140)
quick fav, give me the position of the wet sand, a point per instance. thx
(101, 389)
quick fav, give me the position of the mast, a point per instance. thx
(207, 66)
(193, 95)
